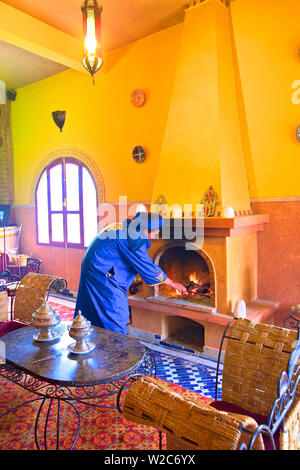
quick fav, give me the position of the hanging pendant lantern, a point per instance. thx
(92, 36)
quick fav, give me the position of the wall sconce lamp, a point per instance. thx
(91, 13)
(59, 118)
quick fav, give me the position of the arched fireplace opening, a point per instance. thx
(183, 333)
(191, 268)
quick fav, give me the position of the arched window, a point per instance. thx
(66, 204)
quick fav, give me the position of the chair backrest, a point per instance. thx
(31, 292)
(256, 355)
(33, 265)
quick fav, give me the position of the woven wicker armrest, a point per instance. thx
(188, 423)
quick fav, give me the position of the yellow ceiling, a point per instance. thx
(39, 38)
(123, 21)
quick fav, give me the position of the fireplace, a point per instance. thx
(193, 269)
(220, 273)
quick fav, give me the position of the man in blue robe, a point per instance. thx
(111, 264)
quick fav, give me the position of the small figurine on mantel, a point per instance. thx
(209, 201)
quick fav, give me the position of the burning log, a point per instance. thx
(194, 288)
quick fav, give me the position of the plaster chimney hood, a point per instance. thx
(203, 142)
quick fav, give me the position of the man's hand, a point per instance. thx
(176, 285)
(179, 287)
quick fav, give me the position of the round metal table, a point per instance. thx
(55, 375)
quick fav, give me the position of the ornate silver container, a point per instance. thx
(80, 330)
(45, 319)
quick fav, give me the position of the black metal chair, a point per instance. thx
(8, 277)
(33, 265)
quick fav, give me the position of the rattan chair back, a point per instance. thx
(31, 292)
(254, 360)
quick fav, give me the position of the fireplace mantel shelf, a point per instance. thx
(230, 227)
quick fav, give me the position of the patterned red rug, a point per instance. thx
(66, 313)
(100, 428)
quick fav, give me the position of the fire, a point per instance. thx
(193, 278)
(196, 287)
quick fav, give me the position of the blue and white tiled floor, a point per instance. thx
(197, 374)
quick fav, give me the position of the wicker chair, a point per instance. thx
(188, 424)
(259, 396)
(261, 377)
(30, 292)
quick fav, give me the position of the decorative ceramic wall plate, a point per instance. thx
(138, 98)
(298, 133)
(139, 154)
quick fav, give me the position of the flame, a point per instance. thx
(193, 278)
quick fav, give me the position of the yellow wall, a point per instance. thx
(268, 40)
(100, 120)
